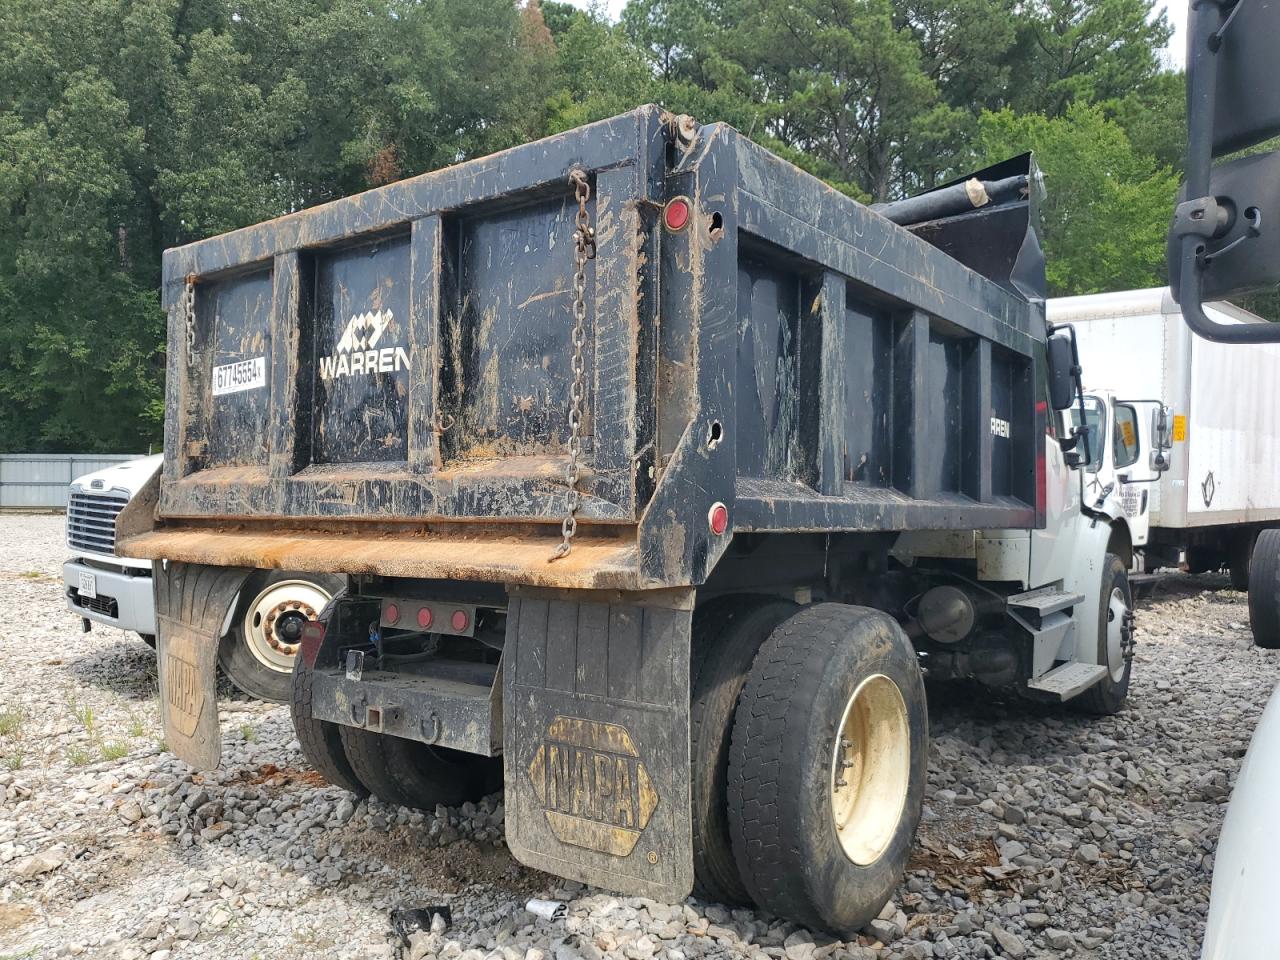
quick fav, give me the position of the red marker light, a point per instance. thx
(425, 617)
(676, 215)
(718, 518)
(392, 614)
(460, 620)
(312, 638)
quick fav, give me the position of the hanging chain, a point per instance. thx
(584, 244)
(189, 316)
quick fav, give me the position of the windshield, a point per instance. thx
(1094, 418)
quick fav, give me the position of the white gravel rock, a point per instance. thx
(1044, 831)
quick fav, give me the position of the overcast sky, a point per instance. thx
(1177, 10)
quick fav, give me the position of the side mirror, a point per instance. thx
(1062, 371)
(1162, 435)
(1225, 235)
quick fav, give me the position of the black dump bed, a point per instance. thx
(381, 384)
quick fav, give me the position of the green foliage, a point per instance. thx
(1107, 207)
(128, 126)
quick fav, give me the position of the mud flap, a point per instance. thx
(191, 606)
(596, 738)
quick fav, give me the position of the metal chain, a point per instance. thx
(189, 316)
(584, 243)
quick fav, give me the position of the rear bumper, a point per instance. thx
(125, 599)
(596, 563)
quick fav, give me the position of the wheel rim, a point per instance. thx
(870, 769)
(273, 622)
(1117, 624)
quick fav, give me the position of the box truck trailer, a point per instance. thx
(662, 471)
(1222, 487)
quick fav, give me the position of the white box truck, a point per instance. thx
(1223, 483)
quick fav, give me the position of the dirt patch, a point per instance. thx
(453, 868)
(14, 915)
(269, 775)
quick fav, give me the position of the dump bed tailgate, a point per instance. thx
(406, 353)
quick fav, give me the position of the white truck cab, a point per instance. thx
(1128, 450)
(263, 623)
(100, 586)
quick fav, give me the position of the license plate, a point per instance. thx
(89, 586)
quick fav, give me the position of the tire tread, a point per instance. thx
(1264, 590)
(321, 741)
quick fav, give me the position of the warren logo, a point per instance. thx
(593, 785)
(358, 351)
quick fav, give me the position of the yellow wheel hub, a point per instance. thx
(870, 769)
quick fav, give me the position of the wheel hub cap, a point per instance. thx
(870, 769)
(1120, 641)
(274, 620)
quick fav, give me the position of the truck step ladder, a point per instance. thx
(1045, 600)
(1066, 681)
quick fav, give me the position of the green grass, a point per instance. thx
(10, 723)
(78, 756)
(15, 760)
(114, 750)
(247, 731)
(136, 727)
(31, 575)
(162, 745)
(84, 715)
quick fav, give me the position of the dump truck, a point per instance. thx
(1221, 490)
(663, 472)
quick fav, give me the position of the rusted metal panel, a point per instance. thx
(517, 557)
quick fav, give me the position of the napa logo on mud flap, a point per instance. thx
(183, 693)
(593, 785)
(358, 352)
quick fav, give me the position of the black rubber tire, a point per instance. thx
(1107, 696)
(412, 774)
(1264, 590)
(234, 656)
(727, 633)
(320, 740)
(1240, 559)
(780, 811)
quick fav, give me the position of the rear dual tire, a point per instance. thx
(827, 766)
(727, 633)
(412, 774)
(394, 770)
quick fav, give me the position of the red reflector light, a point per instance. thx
(425, 617)
(718, 518)
(460, 620)
(676, 214)
(312, 638)
(391, 614)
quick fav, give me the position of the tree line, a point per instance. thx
(129, 126)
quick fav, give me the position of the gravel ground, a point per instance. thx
(1044, 834)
